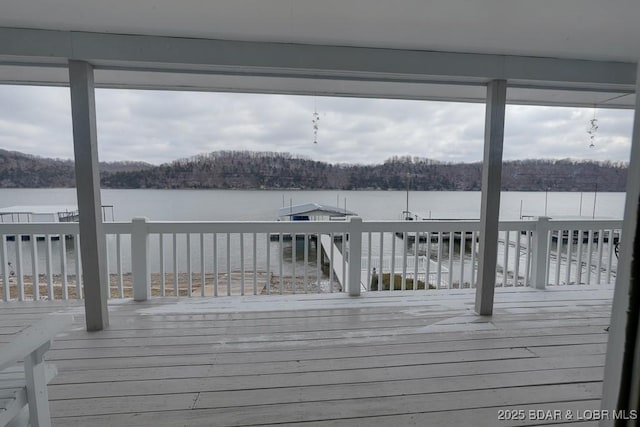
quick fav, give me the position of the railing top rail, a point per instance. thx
(249, 227)
(517, 225)
(420, 226)
(585, 224)
(303, 226)
(40, 228)
(117, 227)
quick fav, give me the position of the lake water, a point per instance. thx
(235, 205)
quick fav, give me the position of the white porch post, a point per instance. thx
(490, 206)
(85, 145)
(617, 369)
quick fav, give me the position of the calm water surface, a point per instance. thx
(235, 205)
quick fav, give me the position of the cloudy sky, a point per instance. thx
(158, 127)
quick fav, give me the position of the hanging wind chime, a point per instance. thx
(316, 121)
(593, 128)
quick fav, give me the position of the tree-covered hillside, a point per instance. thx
(254, 170)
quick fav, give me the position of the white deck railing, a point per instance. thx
(239, 258)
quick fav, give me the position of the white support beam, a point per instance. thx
(490, 205)
(92, 238)
(615, 369)
(35, 56)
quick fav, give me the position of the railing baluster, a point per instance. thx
(268, 284)
(579, 259)
(403, 281)
(474, 237)
(599, 265)
(331, 265)
(505, 261)
(203, 270)
(293, 262)
(558, 256)
(79, 268)
(280, 258)
(439, 260)
(306, 261)
(189, 271)
(49, 262)
(527, 266)
(463, 240)
(63, 267)
(255, 266)
(516, 267)
(35, 274)
(215, 264)
(242, 264)
(611, 245)
(589, 255)
(450, 265)
(547, 258)
(19, 267)
(392, 268)
(416, 261)
(6, 286)
(119, 265)
(318, 261)
(163, 283)
(345, 254)
(175, 265)
(228, 264)
(369, 273)
(569, 255)
(381, 266)
(106, 266)
(428, 266)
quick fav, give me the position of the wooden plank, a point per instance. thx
(345, 320)
(227, 355)
(248, 398)
(477, 417)
(545, 351)
(387, 389)
(274, 379)
(208, 329)
(123, 404)
(353, 408)
(192, 344)
(311, 367)
(261, 346)
(255, 354)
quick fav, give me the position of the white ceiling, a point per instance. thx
(588, 29)
(538, 34)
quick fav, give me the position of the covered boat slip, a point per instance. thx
(378, 360)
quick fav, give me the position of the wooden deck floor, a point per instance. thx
(319, 360)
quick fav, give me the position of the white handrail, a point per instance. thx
(532, 252)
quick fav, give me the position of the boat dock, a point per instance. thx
(337, 261)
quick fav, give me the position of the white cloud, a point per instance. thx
(158, 127)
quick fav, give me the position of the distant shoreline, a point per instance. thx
(241, 170)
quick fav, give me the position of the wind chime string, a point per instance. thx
(316, 121)
(593, 128)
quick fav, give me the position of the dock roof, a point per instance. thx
(314, 209)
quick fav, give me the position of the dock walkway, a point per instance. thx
(339, 265)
